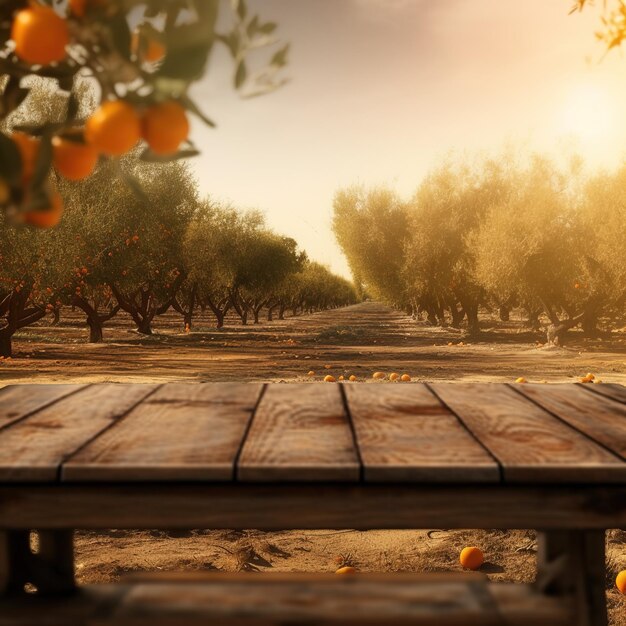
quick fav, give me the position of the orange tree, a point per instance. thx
(29, 285)
(139, 75)
(129, 244)
(236, 262)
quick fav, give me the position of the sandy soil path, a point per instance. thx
(356, 340)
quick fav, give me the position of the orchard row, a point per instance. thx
(515, 231)
(146, 253)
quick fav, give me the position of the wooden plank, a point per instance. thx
(530, 444)
(573, 564)
(299, 432)
(34, 448)
(608, 390)
(602, 419)
(181, 432)
(404, 433)
(18, 401)
(298, 599)
(305, 505)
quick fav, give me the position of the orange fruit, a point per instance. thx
(46, 217)
(471, 558)
(165, 127)
(311, 373)
(378, 375)
(521, 380)
(620, 582)
(393, 377)
(329, 379)
(347, 569)
(5, 191)
(341, 378)
(114, 128)
(405, 378)
(352, 378)
(28, 147)
(40, 35)
(78, 7)
(73, 160)
(147, 48)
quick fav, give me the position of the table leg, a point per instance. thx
(15, 556)
(572, 563)
(50, 569)
(55, 560)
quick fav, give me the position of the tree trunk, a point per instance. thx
(281, 312)
(533, 319)
(457, 315)
(6, 345)
(56, 316)
(95, 329)
(505, 313)
(219, 317)
(144, 326)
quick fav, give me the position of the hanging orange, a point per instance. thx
(165, 127)
(146, 48)
(114, 128)
(47, 217)
(40, 35)
(29, 148)
(74, 160)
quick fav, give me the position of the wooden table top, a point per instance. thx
(419, 433)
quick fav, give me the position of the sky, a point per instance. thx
(382, 90)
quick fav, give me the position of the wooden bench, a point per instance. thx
(181, 456)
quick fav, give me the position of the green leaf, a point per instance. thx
(232, 42)
(280, 58)
(121, 34)
(150, 157)
(241, 74)
(242, 10)
(10, 161)
(253, 26)
(186, 63)
(190, 105)
(269, 28)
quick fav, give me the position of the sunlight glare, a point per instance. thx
(588, 113)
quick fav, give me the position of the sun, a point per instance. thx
(588, 113)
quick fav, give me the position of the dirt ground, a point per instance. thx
(356, 340)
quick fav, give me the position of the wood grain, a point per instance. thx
(530, 444)
(405, 434)
(363, 506)
(608, 390)
(34, 448)
(303, 599)
(299, 432)
(602, 419)
(299, 600)
(181, 432)
(18, 401)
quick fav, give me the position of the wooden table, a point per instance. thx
(544, 457)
